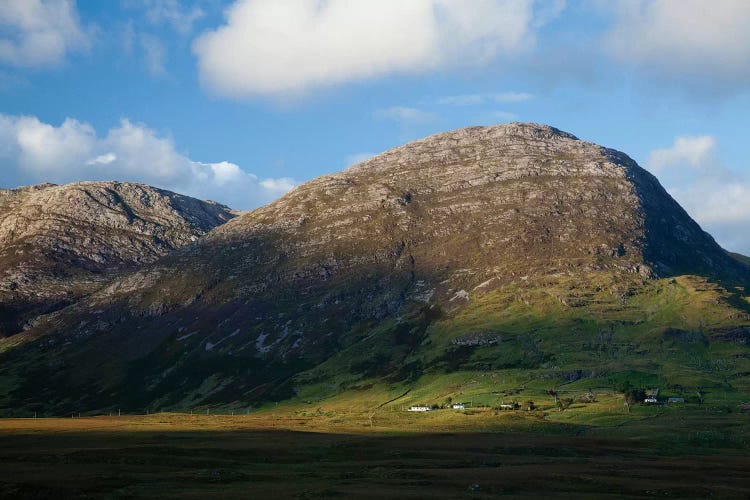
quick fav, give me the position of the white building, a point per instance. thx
(419, 408)
(458, 406)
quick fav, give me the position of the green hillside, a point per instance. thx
(685, 336)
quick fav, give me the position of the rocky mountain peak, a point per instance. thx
(524, 190)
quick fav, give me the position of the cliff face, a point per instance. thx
(57, 243)
(417, 231)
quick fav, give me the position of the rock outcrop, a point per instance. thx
(58, 243)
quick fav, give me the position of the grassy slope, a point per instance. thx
(593, 333)
(668, 334)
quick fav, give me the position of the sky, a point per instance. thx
(238, 101)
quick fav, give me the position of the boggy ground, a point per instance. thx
(293, 456)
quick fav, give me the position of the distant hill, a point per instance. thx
(517, 254)
(58, 243)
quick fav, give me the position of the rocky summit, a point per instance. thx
(58, 243)
(388, 271)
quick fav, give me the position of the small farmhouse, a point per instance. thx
(651, 400)
(419, 408)
(458, 406)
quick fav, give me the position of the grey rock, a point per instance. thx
(58, 243)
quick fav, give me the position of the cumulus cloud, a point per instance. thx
(281, 185)
(33, 151)
(267, 47)
(478, 99)
(717, 197)
(721, 206)
(686, 150)
(39, 33)
(696, 38)
(105, 159)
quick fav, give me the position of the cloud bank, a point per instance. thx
(686, 150)
(717, 197)
(33, 151)
(268, 47)
(706, 40)
(39, 33)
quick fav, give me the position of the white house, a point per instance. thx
(651, 400)
(458, 406)
(419, 408)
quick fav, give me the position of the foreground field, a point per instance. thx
(290, 455)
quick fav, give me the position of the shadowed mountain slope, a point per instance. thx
(742, 258)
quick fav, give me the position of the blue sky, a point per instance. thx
(239, 100)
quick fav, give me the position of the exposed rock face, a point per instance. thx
(59, 242)
(513, 198)
(426, 226)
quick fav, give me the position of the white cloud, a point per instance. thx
(41, 145)
(477, 99)
(699, 38)
(281, 185)
(404, 114)
(717, 197)
(154, 53)
(548, 11)
(39, 33)
(686, 150)
(268, 47)
(172, 12)
(33, 151)
(721, 206)
(104, 159)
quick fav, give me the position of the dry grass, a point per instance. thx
(321, 453)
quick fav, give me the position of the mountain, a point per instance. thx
(59, 243)
(742, 258)
(515, 249)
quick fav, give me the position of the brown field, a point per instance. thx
(288, 456)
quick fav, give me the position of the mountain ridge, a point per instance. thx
(55, 239)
